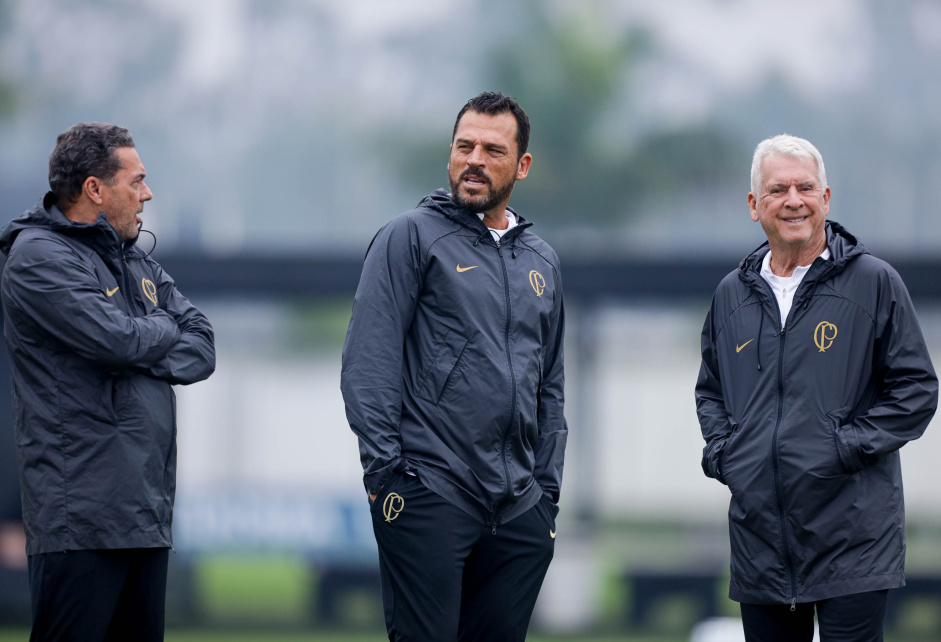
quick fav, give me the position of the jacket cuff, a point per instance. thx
(375, 480)
(711, 461)
(847, 444)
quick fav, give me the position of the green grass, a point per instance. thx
(10, 635)
(22, 635)
(259, 635)
(262, 588)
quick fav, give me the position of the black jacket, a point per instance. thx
(96, 337)
(804, 425)
(452, 365)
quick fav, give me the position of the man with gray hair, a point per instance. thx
(97, 334)
(814, 374)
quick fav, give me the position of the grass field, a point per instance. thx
(22, 635)
(228, 636)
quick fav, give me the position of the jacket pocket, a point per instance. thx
(384, 492)
(446, 358)
(723, 464)
(847, 445)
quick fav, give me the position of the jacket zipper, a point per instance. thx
(127, 285)
(509, 359)
(778, 490)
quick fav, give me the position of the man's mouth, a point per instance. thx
(474, 180)
(795, 220)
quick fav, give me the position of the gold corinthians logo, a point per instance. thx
(824, 335)
(392, 506)
(538, 283)
(150, 290)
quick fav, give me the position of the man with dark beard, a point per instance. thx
(452, 378)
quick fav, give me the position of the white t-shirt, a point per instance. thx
(784, 287)
(498, 234)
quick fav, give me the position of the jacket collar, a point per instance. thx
(99, 236)
(843, 246)
(441, 200)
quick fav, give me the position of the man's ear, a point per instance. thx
(522, 167)
(92, 189)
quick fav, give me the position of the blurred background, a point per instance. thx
(279, 135)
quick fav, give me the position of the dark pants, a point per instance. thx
(99, 595)
(848, 618)
(446, 576)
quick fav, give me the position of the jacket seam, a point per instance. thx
(539, 254)
(839, 295)
(744, 302)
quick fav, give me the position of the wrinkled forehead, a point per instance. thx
(789, 168)
(497, 128)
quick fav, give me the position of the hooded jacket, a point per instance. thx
(452, 366)
(97, 334)
(804, 424)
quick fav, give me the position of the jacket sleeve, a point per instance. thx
(373, 357)
(710, 404)
(906, 383)
(193, 357)
(553, 430)
(48, 286)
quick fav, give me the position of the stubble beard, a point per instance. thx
(482, 203)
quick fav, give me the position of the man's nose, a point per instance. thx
(793, 197)
(146, 194)
(476, 156)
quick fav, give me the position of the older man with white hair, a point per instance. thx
(814, 374)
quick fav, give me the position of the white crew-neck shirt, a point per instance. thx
(784, 287)
(498, 234)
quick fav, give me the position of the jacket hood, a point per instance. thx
(45, 215)
(441, 201)
(843, 246)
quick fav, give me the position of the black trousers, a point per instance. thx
(446, 576)
(99, 595)
(849, 618)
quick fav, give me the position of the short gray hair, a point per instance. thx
(785, 145)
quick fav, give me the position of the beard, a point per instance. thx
(482, 202)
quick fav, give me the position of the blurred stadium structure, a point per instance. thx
(279, 136)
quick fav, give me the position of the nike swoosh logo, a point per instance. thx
(739, 348)
(111, 292)
(460, 269)
(551, 533)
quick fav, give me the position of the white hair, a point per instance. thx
(785, 145)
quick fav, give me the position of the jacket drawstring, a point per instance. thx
(480, 236)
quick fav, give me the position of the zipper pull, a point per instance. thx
(493, 531)
(793, 604)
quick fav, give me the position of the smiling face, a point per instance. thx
(123, 197)
(483, 165)
(791, 206)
